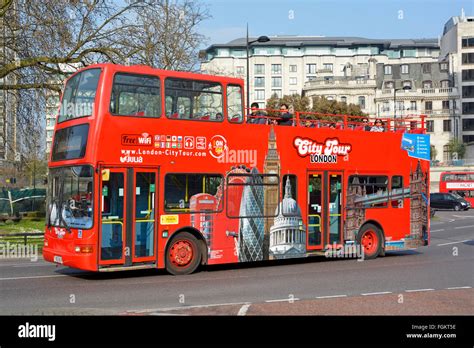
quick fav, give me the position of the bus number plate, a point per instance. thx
(58, 259)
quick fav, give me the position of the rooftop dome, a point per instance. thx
(288, 206)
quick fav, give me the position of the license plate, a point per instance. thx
(58, 259)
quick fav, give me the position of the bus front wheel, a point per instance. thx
(370, 238)
(183, 255)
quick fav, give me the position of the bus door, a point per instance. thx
(324, 207)
(128, 216)
(143, 208)
(113, 219)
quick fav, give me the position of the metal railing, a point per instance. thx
(36, 237)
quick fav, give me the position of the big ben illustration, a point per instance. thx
(270, 196)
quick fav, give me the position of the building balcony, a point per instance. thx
(422, 92)
(339, 82)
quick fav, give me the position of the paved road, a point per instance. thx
(432, 280)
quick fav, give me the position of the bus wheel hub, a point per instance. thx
(181, 253)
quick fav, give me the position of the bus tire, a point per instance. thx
(370, 237)
(183, 254)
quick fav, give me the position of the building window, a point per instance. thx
(240, 70)
(360, 80)
(445, 104)
(428, 106)
(293, 68)
(386, 106)
(446, 153)
(259, 81)
(443, 66)
(413, 105)
(276, 92)
(276, 81)
(293, 92)
(467, 42)
(400, 105)
(311, 68)
(426, 67)
(362, 102)
(344, 100)
(468, 75)
(430, 126)
(389, 84)
(468, 58)
(293, 80)
(446, 125)
(259, 94)
(468, 108)
(427, 84)
(259, 69)
(387, 70)
(468, 124)
(468, 91)
(405, 69)
(327, 67)
(406, 84)
(467, 138)
(276, 69)
(445, 84)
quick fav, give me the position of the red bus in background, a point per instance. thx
(162, 169)
(460, 183)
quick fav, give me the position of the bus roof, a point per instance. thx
(144, 69)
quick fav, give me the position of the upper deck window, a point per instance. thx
(234, 104)
(136, 95)
(79, 95)
(193, 100)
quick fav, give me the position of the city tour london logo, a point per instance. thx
(217, 146)
(324, 152)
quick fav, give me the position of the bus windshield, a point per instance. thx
(70, 198)
(79, 95)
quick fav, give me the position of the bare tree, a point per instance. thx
(166, 34)
(39, 36)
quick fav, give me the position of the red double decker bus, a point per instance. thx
(460, 183)
(161, 169)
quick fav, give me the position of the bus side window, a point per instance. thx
(234, 104)
(397, 193)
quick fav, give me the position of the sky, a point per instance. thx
(377, 19)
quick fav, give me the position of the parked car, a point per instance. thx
(448, 201)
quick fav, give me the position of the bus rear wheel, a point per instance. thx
(370, 238)
(183, 255)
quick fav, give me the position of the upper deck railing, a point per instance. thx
(409, 124)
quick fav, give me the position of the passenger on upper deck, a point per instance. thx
(286, 118)
(256, 116)
(365, 124)
(378, 126)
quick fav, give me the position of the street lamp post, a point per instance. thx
(260, 39)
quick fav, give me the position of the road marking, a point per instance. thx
(417, 290)
(185, 307)
(457, 228)
(332, 296)
(463, 216)
(377, 293)
(459, 287)
(243, 310)
(462, 241)
(283, 300)
(36, 277)
(433, 231)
